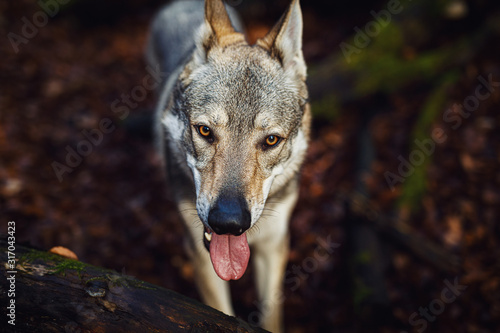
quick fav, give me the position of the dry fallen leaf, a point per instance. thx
(64, 252)
(454, 233)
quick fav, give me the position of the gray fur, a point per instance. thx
(172, 36)
(244, 94)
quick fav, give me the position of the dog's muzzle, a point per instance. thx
(229, 215)
(229, 218)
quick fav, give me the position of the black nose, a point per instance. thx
(229, 215)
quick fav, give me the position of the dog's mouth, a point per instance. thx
(229, 254)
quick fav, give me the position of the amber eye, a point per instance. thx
(272, 140)
(204, 131)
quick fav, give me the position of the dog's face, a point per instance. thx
(245, 125)
(242, 121)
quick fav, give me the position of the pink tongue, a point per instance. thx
(229, 255)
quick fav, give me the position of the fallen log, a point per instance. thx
(50, 293)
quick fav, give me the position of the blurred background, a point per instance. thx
(396, 229)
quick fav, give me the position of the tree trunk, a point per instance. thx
(50, 293)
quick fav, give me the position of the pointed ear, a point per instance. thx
(284, 41)
(218, 30)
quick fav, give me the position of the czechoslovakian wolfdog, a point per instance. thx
(232, 124)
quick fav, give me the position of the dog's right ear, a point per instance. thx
(217, 31)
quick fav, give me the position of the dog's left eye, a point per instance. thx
(271, 141)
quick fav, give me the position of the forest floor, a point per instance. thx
(112, 208)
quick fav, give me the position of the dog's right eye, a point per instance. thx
(205, 132)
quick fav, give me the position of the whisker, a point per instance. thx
(197, 223)
(254, 229)
(187, 210)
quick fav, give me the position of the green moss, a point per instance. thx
(56, 264)
(139, 284)
(327, 108)
(414, 186)
(69, 264)
(33, 255)
(98, 278)
(61, 264)
(117, 280)
(385, 65)
(363, 257)
(361, 292)
(390, 72)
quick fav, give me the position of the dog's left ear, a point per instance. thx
(284, 41)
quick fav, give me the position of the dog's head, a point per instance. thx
(247, 115)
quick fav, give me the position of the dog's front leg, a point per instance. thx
(270, 263)
(213, 290)
(270, 256)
